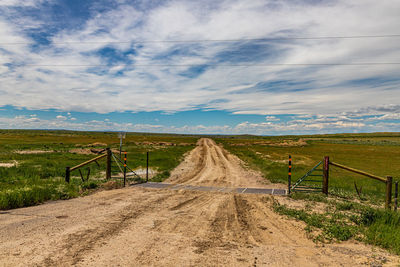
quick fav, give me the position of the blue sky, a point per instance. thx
(230, 67)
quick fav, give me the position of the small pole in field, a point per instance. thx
(121, 136)
(147, 166)
(67, 174)
(325, 176)
(120, 147)
(108, 170)
(389, 181)
(88, 173)
(124, 168)
(290, 173)
(396, 192)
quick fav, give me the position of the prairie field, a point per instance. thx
(344, 214)
(32, 171)
(378, 154)
(32, 163)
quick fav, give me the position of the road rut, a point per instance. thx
(159, 227)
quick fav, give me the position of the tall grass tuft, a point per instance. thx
(382, 228)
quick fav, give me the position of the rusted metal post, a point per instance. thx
(88, 173)
(108, 170)
(80, 172)
(67, 174)
(389, 181)
(124, 169)
(396, 192)
(147, 166)
(325, 175)
(290, 174)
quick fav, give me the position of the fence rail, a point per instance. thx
(121, 163)
(87, 162)
(107, 155)
(325, 181)
(388, 181)
(358, 171)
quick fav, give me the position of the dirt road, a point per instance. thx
(211, 165)
(141, 227)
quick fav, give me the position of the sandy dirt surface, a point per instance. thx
(211, 165)
(161, 227)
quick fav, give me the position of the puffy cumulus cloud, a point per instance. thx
(310, 126)
(387, 109)
(271, 118)
(61, 118)
(298, 125)
(25, 122)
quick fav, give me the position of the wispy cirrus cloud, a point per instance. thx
(112, 61)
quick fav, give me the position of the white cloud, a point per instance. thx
(300, 126)
(20, 3)
(395, 116)
(271, 118)
(328, 89)
(61, 118)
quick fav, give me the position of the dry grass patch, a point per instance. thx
(24, 152)
(9, 164)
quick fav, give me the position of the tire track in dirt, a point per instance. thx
(211, 165)
(82, 242)
(163, 227)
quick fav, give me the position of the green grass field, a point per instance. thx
(28, 178)
(341, 220)
(377, 154)
(37, 177)
(345, 215)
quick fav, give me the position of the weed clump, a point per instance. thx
(346, 220)
(382, 228)
(333, 226)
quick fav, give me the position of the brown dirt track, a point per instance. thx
(211, 165)
(137, 226)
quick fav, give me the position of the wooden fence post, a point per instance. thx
(147, 166)
(108, 170)
(325, 175)
(396, 192)
(124, 169)
(67, 174)
(290, 174)
(389, 181)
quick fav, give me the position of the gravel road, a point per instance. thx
(137, 226)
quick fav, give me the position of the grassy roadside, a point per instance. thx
(37, 159)
(344, 215)
(163, 159)
(341, 220)
(374, 153)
